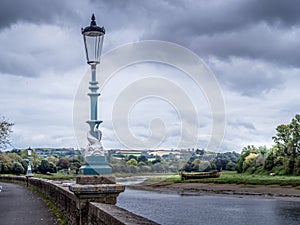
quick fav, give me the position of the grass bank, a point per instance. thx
(235, 178)
(56, 176)
(226, 177)
(51, 176)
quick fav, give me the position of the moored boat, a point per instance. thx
(199, 175)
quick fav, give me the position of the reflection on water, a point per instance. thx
(215, 209)
(131, 180)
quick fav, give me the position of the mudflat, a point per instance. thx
(293, 193)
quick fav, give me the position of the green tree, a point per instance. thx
(132, 162)
(35, 161)
(132, 157)
(63, 163)
(297, 166)
(269, 161)
(44, 166)
(52, 168)
(17, 168)
(245, 152)
(142, 158)
(24, 163)
(75, 164)
(249, 162)
(5, 130)
(14, 156)
(5, 164)
(205, 166)
(252, 159)
(158, 168)
(156, 160)
(196, 165)
(230, 166)
(287, 139)
(223, 159)
(52, 159)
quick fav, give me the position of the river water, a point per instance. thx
(173, 209)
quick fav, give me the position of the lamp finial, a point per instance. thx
(93, 22)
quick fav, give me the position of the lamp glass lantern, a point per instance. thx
(93, 37)
(29, 151)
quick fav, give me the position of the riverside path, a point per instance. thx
(20, 206)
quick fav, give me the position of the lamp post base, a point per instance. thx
(96, 165)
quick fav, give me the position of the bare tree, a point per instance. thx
(5, 130)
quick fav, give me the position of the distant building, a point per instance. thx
(58, 152)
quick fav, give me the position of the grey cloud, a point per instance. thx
(50, 48)
(255, 29)
(257, 42)
(211, 17)
(276, 12)
(35, 11)
(242, 124)
(36, 37)
(249, 77)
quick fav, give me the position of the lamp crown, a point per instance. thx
(93, 27)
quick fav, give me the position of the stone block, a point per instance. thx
(95, 179)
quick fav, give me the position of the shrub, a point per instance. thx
(17, 168)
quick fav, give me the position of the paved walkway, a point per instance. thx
(20, 206)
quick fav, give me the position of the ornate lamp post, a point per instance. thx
(93, 36)
(99, 186)
(29, 170)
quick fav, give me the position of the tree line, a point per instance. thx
(205, 161)
(282, 158)
(141, 164)
(16, 162)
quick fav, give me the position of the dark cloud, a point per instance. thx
(216, 17)
(35, 11)
(276, 12)
(255, 29)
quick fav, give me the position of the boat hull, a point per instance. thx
(187, 176)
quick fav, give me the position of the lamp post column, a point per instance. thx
(94, 101)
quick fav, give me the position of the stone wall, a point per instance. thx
(65, 201)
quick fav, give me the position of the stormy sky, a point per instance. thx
(251, 47)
